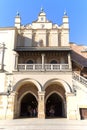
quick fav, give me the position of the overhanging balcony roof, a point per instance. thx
(27, 48)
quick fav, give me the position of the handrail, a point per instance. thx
(45, 67)
(80, 78)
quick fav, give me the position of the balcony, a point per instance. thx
(45, 67)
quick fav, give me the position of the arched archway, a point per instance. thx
(54, 106)
(17, 86)
(28, 106)
(60, 82)
(55, 97)
(23, 89)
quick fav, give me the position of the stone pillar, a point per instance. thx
(16, 114)
(43, 55)
(41, 105)
(2, 49)
(64, 109)
(69, 61)
(71, 106)
(3, 106)
(10, 108)
(16, 61)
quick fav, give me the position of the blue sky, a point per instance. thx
(29, 10)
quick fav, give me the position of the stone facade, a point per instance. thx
(38, 74)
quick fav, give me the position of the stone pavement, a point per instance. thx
(43, 124)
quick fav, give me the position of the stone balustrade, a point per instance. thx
(40, 67)
(80, 79)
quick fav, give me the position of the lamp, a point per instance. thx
(74, 88)
(9, 89)
(8, 93)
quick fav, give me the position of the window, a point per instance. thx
(41, 18)
(53, 62)
(29, 62)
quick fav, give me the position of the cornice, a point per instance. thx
(8, 28)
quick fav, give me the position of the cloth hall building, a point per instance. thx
(42, 74)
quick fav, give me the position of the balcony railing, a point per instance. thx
(45, 67)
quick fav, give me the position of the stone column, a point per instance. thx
(16, 114)
(65, 109)
(41, 105)
(69, 61)
(16, 61)
(43, 55)
(10, 106)
(2, 49)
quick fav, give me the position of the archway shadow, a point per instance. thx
(28, 106)
(54, 107)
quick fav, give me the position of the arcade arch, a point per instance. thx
(55, 105)
(28, 105)
(55, 99)
(26, 81)
(27, 98)
(52, 96)
(60, 82)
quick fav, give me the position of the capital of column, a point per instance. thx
(69, 94)
(14, 93)
(41, 93)
(42, 54)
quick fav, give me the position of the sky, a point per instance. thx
(54, 9)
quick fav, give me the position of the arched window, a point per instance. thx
(30, 62)
(53, 62)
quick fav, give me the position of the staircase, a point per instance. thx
(80, 79)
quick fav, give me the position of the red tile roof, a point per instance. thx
(79, 54)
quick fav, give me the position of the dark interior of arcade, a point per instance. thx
(54, 106)
(29, 106)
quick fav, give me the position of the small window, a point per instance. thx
(53, 62)
(41, 18)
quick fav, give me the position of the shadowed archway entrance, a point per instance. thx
(54, 106)
(29, 106)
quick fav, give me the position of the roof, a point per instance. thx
(79, 54)
(43, 49)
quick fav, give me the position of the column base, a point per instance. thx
(41, 116)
